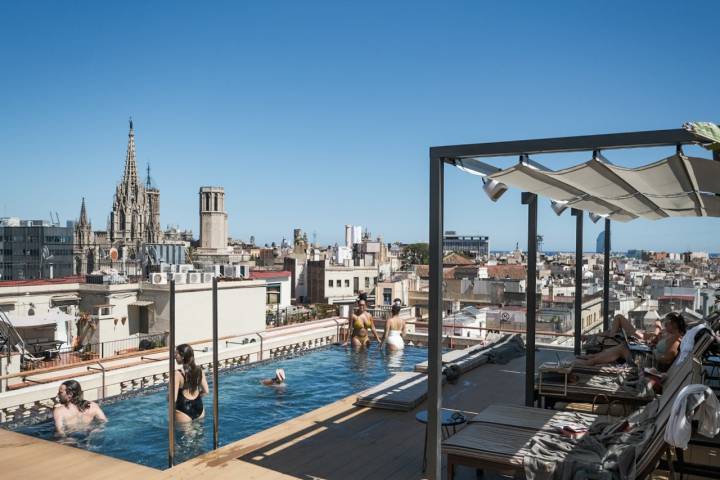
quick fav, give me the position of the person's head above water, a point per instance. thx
(70, 392)
(185, 355)
(279, 376)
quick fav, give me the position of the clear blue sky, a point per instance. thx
(317, 114)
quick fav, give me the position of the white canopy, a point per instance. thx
(60, 319)
(677, 186)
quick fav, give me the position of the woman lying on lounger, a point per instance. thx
(614, 335)
(665, 346)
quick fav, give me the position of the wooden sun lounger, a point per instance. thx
(498, 438)
(582, 391)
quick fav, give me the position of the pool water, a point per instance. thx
(137, 427)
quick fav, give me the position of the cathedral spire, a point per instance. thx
(83, 213)
(130, 176)
(148, 181)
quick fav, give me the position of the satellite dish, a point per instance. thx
(113, 254)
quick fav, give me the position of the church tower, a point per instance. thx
(135, 217)
(83, 244)
(154, 233)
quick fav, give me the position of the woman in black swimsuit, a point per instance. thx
(190, 386)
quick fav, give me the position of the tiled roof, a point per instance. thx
(514, 272)
(42, 281)
(455, 258)
(260, 274)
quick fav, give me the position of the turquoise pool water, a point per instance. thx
(137, 427)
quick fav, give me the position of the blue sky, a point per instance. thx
(317, 114)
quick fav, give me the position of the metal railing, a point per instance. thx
(90, 351)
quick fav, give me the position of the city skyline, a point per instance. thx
(289, 121)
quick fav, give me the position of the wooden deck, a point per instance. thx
(337, 441)
(22, 456)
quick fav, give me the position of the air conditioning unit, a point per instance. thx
(184, 268)
(194, 277)
(158, 278)
(207, 277)
(166, 267)
(178, 277)
(213, 269)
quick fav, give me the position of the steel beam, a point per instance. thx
(583, 143)
(215, 364)
(578, 214)
(530, 199)
(171, 379)
(435, 300)
(606, 278)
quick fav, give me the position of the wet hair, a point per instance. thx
(73, 388)
(395, 309)
(678, 320)
(362, 296)
(193, 373)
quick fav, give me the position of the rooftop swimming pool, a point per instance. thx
(137, 427)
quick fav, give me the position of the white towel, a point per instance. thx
(688, 342)
(694, 402)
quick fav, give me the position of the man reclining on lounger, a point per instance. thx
(665, 346)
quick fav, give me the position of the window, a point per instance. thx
(330, 283)
(374, 280)
(338, 283)
(347, 283)
(367, 282)
(387, 296)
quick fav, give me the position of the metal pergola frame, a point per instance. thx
(439, 156)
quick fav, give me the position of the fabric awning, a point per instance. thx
(53, 317)
(65, 298)
(141, 303)
(676, 186)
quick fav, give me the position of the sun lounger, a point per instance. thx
(507, 439)
(403, 391)
(621, 388)
(508, 347)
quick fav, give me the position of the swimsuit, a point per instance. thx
(358, 325)
(395, 340)
(192, 408)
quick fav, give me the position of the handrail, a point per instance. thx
(102, 369)
(124, 356)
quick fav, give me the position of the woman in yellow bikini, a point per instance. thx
(360, 322)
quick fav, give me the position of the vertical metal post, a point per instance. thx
(171, 379)
(215, 364)
(530, 199)
(606, 278)
(435, 297)
(578, 276)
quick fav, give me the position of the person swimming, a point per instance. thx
(277, 380)
(360, 322)
(394, 330)
(190, 386)
(73, 412)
